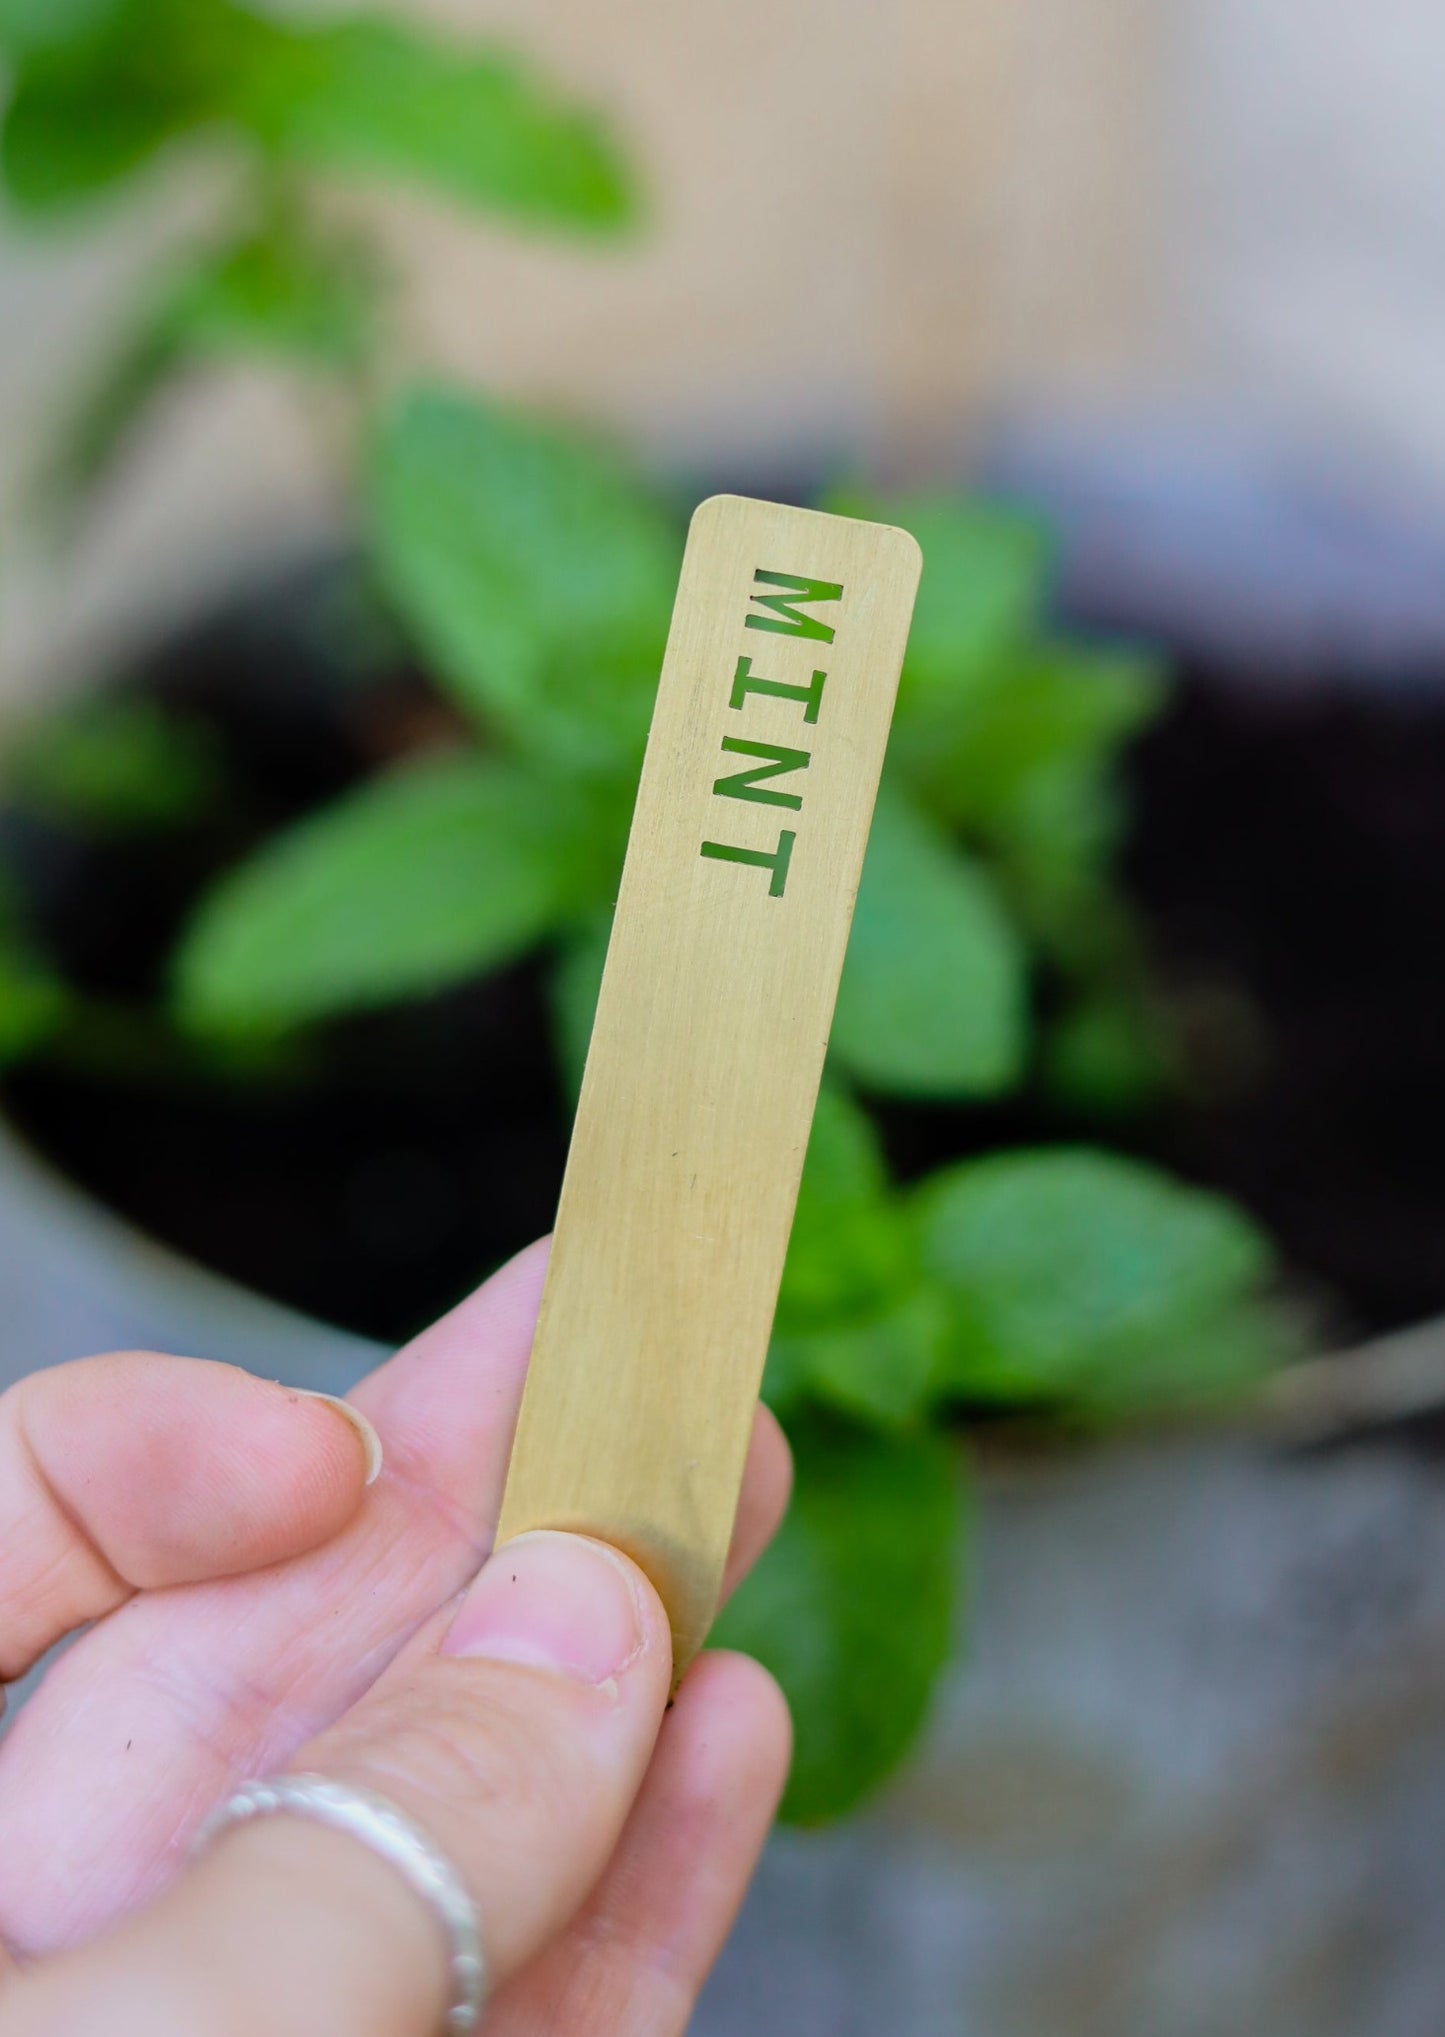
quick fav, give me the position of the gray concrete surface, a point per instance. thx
(1189, 1780)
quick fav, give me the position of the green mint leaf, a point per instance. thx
(852, 1249)
(94, 434)
(852, 1607)
(282, 291)
(33, 1002)
(285, 288)
(884, 1369)
(985, 578)
(1209, 1365)
(374, 96)
(1027, 767)
(64, 143)
(1057, 705)
(28, 26)
(857, 1328)
(1055, 846)
(590, 707)
(1088, 1281)
(413, 882)
(114, 764)
(1108, 1053)
(510, 547)
(89, 112)
(365, 96)
(933, 996)
(785, 1376)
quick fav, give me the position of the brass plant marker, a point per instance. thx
(742, 867)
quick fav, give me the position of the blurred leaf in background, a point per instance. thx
(859, 1329)
(33, 1000)
(511, 547)
(1006, 729)
(851, 1252)
(102, 87)
(1109, 1052)
(1091, 1282)
(284, 290)
(413, 881)
(986, 574)
(378, 97)
(30, 26)
(99, 88)
(934, 995)
(853, 1609)
(113, 763)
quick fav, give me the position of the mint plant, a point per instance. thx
(531, 573)
(99, 90)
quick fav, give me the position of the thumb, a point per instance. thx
(514, 1730)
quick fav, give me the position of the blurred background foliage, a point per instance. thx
(528, 568)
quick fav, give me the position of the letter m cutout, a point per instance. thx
(786, 619)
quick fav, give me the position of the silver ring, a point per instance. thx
(388, 1832)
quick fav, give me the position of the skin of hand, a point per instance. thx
(258, 1606)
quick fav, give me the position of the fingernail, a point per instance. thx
(552, 1601)
(370, 1441)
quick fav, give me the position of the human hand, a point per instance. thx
(258, 1609)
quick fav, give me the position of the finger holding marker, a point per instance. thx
(515, 1731)
(635, 1958)
(169, 1703)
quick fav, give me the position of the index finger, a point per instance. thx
(133, 1471)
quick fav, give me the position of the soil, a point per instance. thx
(1287, 858)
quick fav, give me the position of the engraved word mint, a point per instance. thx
(775, 760)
